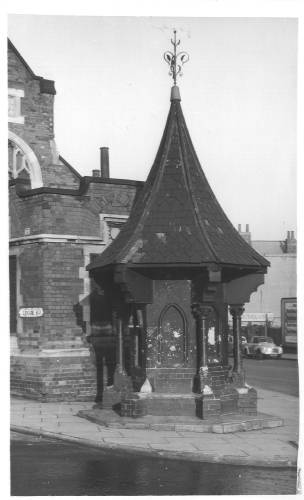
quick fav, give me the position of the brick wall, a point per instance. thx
(68, 214)
(50, 279)
(63, 378)
(37, 109)
(60, 176)
(31, 266)
(63, 320)
(13, 292)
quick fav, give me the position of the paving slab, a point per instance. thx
(265, 447)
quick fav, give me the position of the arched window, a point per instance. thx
(22, 161)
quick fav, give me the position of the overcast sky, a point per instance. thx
(238, 96)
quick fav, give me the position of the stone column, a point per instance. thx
(201, 313)
(207, 404)
(120, 347)
(236, 312)
(117, 326)
(122, 382)
(135, 343)
(218, 336)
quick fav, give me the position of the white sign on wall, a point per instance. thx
(30, 312)
(255, 317)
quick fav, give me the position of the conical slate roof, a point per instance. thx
(177, 219)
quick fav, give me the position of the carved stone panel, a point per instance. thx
(172, 335)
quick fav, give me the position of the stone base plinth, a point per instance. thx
(133, 407)
(208, 406)
(54, 375)
(171, 380)
(140, 404)
(247, 400)
(229, 401)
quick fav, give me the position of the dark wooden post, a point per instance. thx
(236, 312)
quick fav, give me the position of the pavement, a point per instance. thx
(272, 447)
(290, 355)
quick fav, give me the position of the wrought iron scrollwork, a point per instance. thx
(175, 59)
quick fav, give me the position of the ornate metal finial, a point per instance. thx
(175, 60)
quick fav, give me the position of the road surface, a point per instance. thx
(274, 375)
(43, 467)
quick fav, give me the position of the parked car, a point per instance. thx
(262, 347)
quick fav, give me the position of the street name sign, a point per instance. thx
(30, 312)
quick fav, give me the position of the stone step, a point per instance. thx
(220, 425)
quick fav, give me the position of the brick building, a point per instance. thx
(272, 309)
(58, 221)
(280, 283)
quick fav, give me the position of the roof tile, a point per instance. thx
(177, 218)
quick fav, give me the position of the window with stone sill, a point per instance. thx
(14, 105)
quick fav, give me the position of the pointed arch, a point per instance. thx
(173, 336)
(24, 160)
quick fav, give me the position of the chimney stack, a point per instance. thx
(96, 173)
(104, 163)
(245, 234)
(290, 243)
